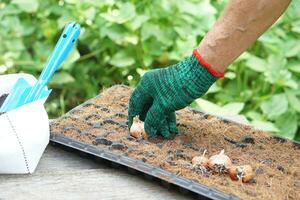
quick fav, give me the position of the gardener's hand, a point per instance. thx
(162, 91)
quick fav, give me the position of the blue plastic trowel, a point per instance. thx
(22, 92)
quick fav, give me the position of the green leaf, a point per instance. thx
(292, 48)
(265, 126)
(287, 123)
(71, 1)
(214, 89)
(152, 49)
(141, 72)
(124, 14)
(27, 5)
(276, 62)
(256, 64)
(270, 40)
(61, 78)
(185, 30)
(90, 13)
(15, 45)
(296, 26)
(151, 30)
(278, 74)
(229, 109)
(294, 66)
(114, 32)
(203, 8)
(208, 107)
(293, 100)
(3, 69)
(275, 106)
(253, 115)
(121, 59)
(183, 48)
(64, 19)
(230, 75)
(10, 9)
(41, 54)
(291, 83)
(137, 22)
(293, 10)
(233, 108)
(119, 35)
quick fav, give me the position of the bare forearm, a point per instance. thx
(241, 23)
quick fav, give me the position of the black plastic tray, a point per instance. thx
(185, 185)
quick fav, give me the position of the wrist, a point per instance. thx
(207, 66)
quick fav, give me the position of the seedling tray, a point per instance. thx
(98, 128)
(166, 178)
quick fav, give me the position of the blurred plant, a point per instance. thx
(122, 39)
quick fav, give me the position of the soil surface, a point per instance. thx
(102, 122)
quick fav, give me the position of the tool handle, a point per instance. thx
(61, 50)
(64, 45)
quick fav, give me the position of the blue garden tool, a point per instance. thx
(22, 92)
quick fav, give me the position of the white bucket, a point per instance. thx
(24, 132)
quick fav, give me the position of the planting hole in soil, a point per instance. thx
(275, 163)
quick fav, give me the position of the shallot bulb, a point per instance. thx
(243, 172)
(137, 128)
(219, 163)
(200, 161)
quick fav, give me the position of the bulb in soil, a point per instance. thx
(243, 172)
(219, 163)
(137, 128)
(200, 161)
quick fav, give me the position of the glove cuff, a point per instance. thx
(206, 65)
(194, 78)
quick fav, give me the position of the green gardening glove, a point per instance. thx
(163, 91)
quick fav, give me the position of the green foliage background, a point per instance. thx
(121, 39)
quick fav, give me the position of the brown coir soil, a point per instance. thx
(276, 162)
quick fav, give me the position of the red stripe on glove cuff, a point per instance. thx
(207, 65)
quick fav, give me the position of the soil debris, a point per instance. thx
(118, 146)
(247, 139)
(101, 140)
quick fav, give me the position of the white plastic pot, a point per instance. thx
(24, 132)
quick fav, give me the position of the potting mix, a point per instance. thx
(101, 122)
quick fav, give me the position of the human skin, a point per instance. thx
(240, 24)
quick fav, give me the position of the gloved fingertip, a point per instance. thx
(165, 134)
(142, 117)
(172, 122)
(150, 130)
(174, 129)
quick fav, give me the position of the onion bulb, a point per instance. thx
(137, 128)
(243, 172)
(200, 161)
(219, 163)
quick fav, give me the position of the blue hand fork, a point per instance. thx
(22, 92)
